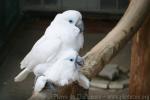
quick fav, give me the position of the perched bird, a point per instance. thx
(63, 72)
(65, 31)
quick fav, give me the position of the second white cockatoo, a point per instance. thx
(65, 31)
(63, 72)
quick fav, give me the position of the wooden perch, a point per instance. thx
(106, 49)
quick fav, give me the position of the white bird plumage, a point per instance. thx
(63, 72)
(65, 31)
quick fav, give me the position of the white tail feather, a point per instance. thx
(22, 75)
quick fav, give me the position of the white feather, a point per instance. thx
(40, 84)
(64, 71)
(22, 75)
(59, 36)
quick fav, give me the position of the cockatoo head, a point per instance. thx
(72, 58)
(72, 17)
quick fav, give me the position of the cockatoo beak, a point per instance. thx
(80, 25)
(79, 61)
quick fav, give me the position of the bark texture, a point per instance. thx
(140, 62)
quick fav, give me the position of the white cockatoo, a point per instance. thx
(65, 31)
(63, 72)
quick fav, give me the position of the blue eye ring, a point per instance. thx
(70, 21)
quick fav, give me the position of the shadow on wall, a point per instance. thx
(9, 14)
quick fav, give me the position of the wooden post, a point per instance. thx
(140, 62)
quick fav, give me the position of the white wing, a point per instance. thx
(41, 68)
(44, 48)
(39, 54)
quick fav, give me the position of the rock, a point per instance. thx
(123, 69)
(110, 72)
(99, 83)
(115, 85)
(120, 84)
(125, 82)
(108, 94)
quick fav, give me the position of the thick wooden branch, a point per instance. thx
(106, 49)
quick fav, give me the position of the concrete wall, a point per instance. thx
(106, 6)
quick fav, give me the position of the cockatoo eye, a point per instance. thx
(71, 60)
(70, 21)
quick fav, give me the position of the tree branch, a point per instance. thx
(106, 49)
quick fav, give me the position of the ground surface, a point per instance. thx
(23, 38)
